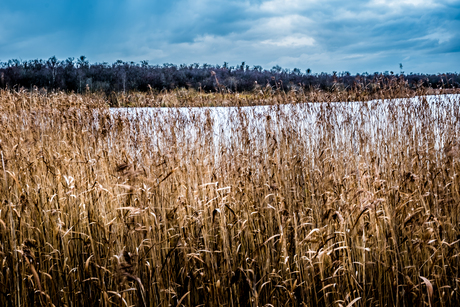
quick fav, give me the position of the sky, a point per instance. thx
(322, 35)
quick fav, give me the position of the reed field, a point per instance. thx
(320, 204)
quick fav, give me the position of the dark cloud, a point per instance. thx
(329, 35)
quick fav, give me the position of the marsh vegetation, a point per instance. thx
(360, 209)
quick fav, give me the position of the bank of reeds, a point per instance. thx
(382, 88)
(357, 209)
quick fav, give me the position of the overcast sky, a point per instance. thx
(323, 35)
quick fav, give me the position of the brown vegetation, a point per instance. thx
(350, 212)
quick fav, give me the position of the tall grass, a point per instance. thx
(358, 208)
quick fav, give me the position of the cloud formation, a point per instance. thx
(330, 35)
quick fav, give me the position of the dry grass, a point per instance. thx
(362, 211)
(381, 88)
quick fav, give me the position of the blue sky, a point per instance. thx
(323, 35)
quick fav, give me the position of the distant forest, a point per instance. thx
(78, 75)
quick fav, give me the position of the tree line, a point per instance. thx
(78, 75)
